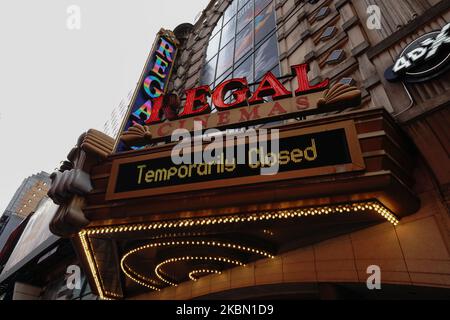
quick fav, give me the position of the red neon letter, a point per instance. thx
(304, 87)
(269, 86)
(149, 112)
(196, 102)
(156, 110)
(241, 94)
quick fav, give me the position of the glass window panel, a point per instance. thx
(266, 57)
(218, 27)
(209, 71)
(213, 47)
(244, 42)
(276, 71)
(244, 16)
(245, 70)
(241, 3)
(261, 4)
(228, 32)
(328, 33)
(225, 76)
(264, 23)
(230, 12)
(225, 58)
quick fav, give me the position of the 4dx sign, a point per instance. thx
(423, 59)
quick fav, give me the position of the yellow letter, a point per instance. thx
(297, 155)
(313, 150)
(141, 169)
(149, 176)
(284, 158)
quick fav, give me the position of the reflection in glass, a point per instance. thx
(245, 70)
(244, 42)
(241, 3)
(244, 16)
(225, 58)
(230, 12)
(209, 71)
(228, 32)
(264, 23)
(226, 76)
(266, 57)
(261, 4)
(276, 71)
(213, 47)
(218, 27)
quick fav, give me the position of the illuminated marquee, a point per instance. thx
(321, 150)
(153, 83)
(246, 108)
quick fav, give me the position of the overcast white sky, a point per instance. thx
(56, 83)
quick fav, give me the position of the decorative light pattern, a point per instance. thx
(193, 273)
(196, 222)
(142, 283)
(192, 258)
(244, 218)
(207, 243)
(127, 270)
(91, 263)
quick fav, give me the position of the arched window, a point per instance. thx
(243, 43)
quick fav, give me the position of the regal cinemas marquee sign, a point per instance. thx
(154, 114)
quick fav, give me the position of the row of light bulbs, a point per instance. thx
(219, 244)
(142, 283)
(274, 215)
(193, 273)
(192, 258)
(282, 214)
(91, 263)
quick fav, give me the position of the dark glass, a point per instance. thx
(244, 15)
(328, 32)
(225, 76)
(209, 72)
(261, 4)
(276, 71)
(245, 70)
(244, 42)
(213, 47)
(323, 12)
(225, 58)
(335, 56)
(266, 56)
(264, 23)
(228, 32)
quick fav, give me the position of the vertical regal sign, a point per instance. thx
(152, 85)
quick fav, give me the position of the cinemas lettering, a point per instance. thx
(300, 154)
(271, 101)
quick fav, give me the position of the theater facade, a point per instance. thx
(358, 91)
